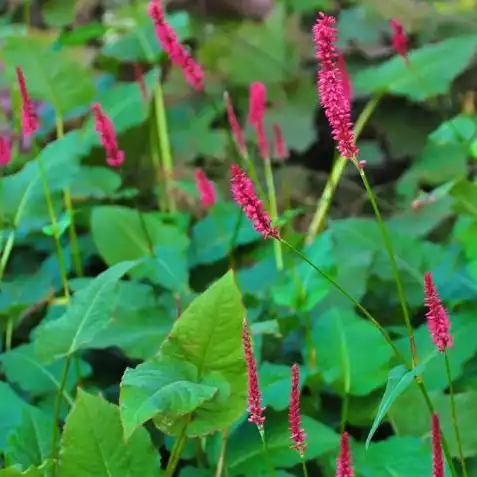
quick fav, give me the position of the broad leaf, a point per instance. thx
(161, 388)
(120, 233)
(50, 76)
(95, 183)
(90, 311)
(353, 356)
(15, 471)
(433, 68)
(93, 446)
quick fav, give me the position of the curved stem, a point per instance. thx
(454, 416)
(176, 452)
(324, 202)
(395, 269)
(223, 450)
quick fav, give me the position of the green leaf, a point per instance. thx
(11, 411)
(245, 454)
(399, 380)
(433, 68)
(62, 226)
(15, 471)
(50, 76)
(22, 367)
(95, 183)
(58, 13)
(161, 388)
(465, 197)
(354, 357)
(208, 335)
(90, 311)
(93, 446)
(120, 234)
(211, 236)
(29, 444)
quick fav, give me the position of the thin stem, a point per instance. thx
(176, 452)
(272, 196)
(363, 310)
(266, 454)
(223, 450)
(303, 465)
(395, 269)
(324, 202)
(75, 251)
(164, 145)
(454, 416)
(57, 411)
(344, 412)
(156, 162)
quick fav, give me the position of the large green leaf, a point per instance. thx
(433, 68)
(93, 446)
(90, 311)
(50, 76)
(95, 183)
(15, 471)
(245, 453)
(165, 389)
(29, 444)
(208, 335)
(22, 367)
(352, 355)
(120, 234)
(464, 194)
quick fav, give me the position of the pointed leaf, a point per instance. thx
(90, 311)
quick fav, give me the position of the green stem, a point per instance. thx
(223, 450)
(57, 411)
(271, 470)
(272, 195)
(164, 146)
(156, 162)
(303, 465)
(325, 200)
(454, 416)
(344, 412)
(176, 453)
(363, 310)
(395, 269)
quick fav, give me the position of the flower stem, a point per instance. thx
(271, 470)
(223, 450)
(324, 202)
(176, 452)
(454, 416)
(272, 196)
(395, 269)
(164, 146)
(57, 411)
(303, 465)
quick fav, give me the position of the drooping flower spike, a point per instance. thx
(206, 189)
(331, 85)
(243, 193)
(176, 52)
(298, 435)
(437, 318)
(105, 128)
(30, 123)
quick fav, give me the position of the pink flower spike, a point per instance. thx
(262, 141)
(235, 126)
(5, 151)
(176, 52)
(298, 435)
(437, 462)
(437, 319)
(254, 395)
(243, 193)
(399, 38)
(30, 123)
(347, 85)
(257, 103)
(331, 87)
(280, 148)
(206, 189)
(343, 463)
(105, 128)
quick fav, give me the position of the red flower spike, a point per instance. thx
(298, 435)
(257, 103)
(437, 462)
(206, 189)
(243, 193)
(343, 463)
(437, 319)
(235, 126)
(347, 86)
(176, 52)
(280, 148)
(399, 39)
(105, 128)
(254, 395)
(331, 87)
(5, 151)
(30, 123)
(262, 141)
